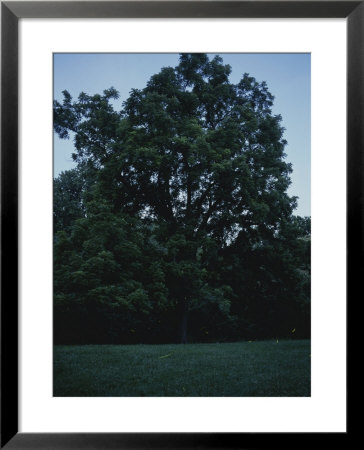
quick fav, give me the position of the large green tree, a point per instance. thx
(199, 163)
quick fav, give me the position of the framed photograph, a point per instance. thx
(161, 162)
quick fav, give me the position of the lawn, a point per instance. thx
(240, 369)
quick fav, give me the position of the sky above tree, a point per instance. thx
(287, 77)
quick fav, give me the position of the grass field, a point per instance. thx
(240, 369)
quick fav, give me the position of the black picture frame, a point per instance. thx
(11, 12)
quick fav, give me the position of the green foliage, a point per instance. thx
(177, 214)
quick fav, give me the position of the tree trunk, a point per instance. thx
(184, 323)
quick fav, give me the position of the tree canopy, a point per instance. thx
(176, 223)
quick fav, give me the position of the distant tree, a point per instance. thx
(68, 189)
(199, 162)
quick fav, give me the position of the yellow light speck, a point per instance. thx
(165, 356)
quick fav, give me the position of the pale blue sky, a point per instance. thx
(288, 77)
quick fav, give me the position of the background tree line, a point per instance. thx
(176, 224)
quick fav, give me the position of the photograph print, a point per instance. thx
(181, 225)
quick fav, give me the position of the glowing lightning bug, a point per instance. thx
(165, 356)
